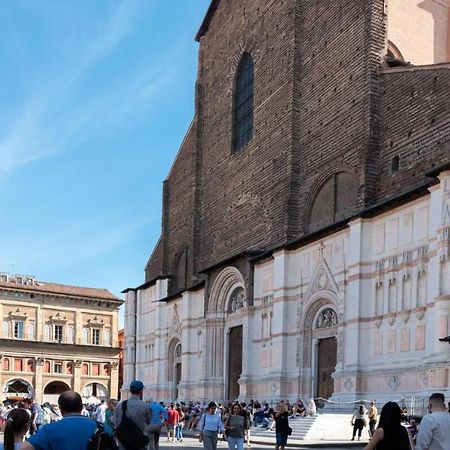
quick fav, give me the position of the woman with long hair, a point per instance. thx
(390, 434)
(210, 426)
(16, 427)
(235, 426)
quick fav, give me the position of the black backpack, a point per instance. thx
(101, 440)
(129, 434)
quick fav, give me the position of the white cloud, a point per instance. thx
(51, 119)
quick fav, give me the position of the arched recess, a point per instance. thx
(320, 329)
(94, 392)
(226, 282)
(174, 365)
(56, 388)
(334, 199)
(394, 52)
(18, 388)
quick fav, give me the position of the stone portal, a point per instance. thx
(326, 364)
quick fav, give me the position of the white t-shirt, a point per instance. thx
(434, 432)
(100, 412)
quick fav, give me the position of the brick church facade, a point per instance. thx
(306, 219)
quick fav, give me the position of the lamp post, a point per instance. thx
(445, 339)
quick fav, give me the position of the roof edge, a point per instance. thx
(207, 19)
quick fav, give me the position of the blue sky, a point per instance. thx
(96, 97)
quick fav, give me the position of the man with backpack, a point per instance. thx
(131, 418)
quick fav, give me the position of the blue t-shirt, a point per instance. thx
(70, 433)
(157, 412)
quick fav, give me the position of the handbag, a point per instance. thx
(289, 431)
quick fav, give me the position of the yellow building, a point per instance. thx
(56, 337)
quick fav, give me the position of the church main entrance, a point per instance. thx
(234, 361)
(326, 364)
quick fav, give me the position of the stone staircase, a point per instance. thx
(300, 428)
(322, 427)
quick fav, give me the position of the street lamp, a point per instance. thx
(446, 339)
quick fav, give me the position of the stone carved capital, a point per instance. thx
(39, 361)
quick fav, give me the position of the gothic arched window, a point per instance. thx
(243, 104)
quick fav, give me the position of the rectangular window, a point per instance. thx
(58, 368)
(58, 333)
(18, 329)
(95, 336)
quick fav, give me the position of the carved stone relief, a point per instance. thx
(326, 318)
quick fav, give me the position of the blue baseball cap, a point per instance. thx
(136, 386)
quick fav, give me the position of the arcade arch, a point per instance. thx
(18, 388)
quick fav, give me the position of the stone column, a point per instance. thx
(114, 380)
(38, 380)
(77, 376)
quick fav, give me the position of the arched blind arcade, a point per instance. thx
(243, 104)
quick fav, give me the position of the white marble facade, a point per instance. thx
(381, 286)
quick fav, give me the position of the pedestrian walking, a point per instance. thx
(390, 434)
(359, 421)
(210, 426)
(159, 416)
(172, 422)
(235, 428)
(434, 429)
(180, 424)
(282, 428)
(131, 418)
(72, 432)
(373, 418)
(16, 427)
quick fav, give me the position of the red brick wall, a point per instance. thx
(320, 106)
(416, 126)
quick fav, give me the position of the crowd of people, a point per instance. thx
(137, 424)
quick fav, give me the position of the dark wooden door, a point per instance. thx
(326, 363)
(234, 362)
(177, 379)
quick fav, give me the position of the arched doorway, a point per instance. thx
(18, 389)
(94, 393)
(236, 302)
(53, 390)
(174, 367)
(324, 333)
(225, 329)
